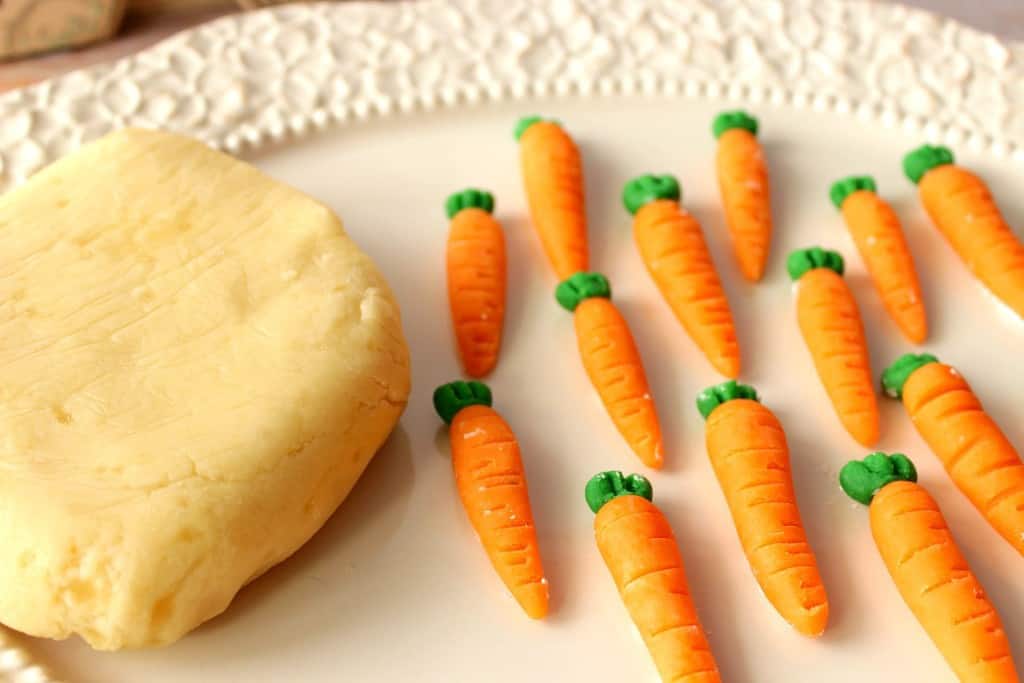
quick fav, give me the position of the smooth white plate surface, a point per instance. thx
(396, 588)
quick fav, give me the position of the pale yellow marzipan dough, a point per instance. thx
(196, 364)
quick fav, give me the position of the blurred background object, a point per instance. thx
(255, 4)
(31, 26)
(176, 6)
(36, 35)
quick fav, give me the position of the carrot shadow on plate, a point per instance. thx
(60, 671)
(815, 468)
(527, 267)
(739, 292)
(608, 224)
(709, 213)
(367, 519)
(664, 347)
(782, 176)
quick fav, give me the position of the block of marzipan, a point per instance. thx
(33, 26)
(196, 365)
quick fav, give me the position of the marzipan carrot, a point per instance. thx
(553, 175)
(672, 247)
(977, 455)
(876, 230)
(613, 363)
(750, 456)
(746, 195)
(928, 568)
(476, 279)
(963, 209)
(637, 544)
(492, 485)
(832, 328)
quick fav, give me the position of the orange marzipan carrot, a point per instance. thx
(929, 570)
(831, 326)
(748, 451)
(977, 455)
(640, 550)
(553, 176)
(962, 207)
(613, 363)
(672, 246)
(877, 232)
(491, 482)
(938, 586)
(746, 195)
(476, 271)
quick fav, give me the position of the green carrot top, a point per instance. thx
(582, 285)
(862, 479)
(648, 188)
(841, 189)
(712, 397)
(606, 486)
(728, 120)
(469, 198)
(897, 374)
(450, 398)
(525, 122)
(804, 260)
(925, 158)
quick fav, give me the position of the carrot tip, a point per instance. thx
(712, 397)
(862, 479)
(605, 486)
(580, 286)
(648, 188)
(534, 598)
(801, 261)
(897, 374)
(841, 189)
(450, 398)
(925, 158)
(728, 120)
(523, 124)
(468, 199)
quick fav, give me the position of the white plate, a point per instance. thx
(396, 588)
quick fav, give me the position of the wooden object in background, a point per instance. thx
(33, 26)
(256, 4)
(152, 7)
(149, 7)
